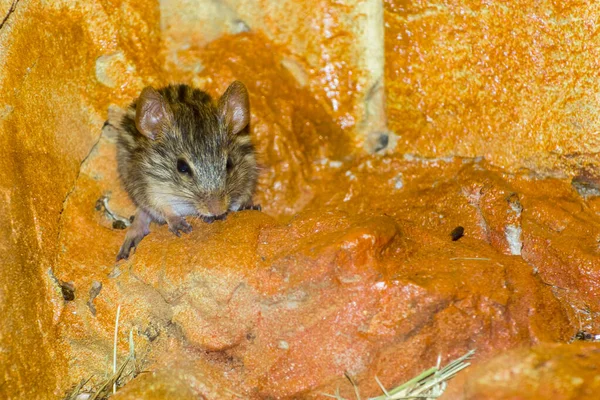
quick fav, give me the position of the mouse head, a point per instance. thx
(200, 158)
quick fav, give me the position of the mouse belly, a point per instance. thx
(184, 210)
(162, 209)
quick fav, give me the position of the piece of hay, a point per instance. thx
(429, 384)
(113, 382)
(115, 347)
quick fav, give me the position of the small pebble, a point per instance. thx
(118, 224)
(68, 290)
(457, 233)
(382, 142)
(283, 345)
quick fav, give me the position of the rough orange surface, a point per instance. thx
(515, 82)
(543, 372)
(317, 39)
(364, 278)
(350, 268)
(50, 110)
(39, 163)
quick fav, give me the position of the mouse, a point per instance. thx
(180, 154)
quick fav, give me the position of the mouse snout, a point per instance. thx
(217, 205)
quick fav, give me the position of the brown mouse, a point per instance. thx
(180, 154)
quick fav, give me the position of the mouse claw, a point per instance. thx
(255, 207)
(208, 220)
(131, 242)
(179, 224)
(213, 218)
(137, 231)
(124, 252)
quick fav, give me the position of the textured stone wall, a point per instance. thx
(52, 106)
(515, 82)
(334, 48)
(512, 82)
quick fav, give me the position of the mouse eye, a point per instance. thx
(183, 167)
(229, 164)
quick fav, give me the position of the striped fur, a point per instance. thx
(197, 134)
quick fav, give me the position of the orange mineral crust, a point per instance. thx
(366, 265)
(52, 106)
(514, 82)
(366, 279)
(49, 110)
(320, 44)
(549, 371)
(294, 134)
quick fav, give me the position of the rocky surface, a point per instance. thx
(542, 372)
(365, 280)
(515, 82)
(356, 265)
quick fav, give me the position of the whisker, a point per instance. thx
(189, 198)
(170, 193)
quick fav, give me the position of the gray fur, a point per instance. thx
(197, 133)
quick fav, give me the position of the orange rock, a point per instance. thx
(350, 268)
(542, 372)
(489, 79)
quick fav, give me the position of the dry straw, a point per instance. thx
(429, 384)
(110, 385)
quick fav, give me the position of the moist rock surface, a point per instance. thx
(366, 280)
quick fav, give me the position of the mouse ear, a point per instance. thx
(234, 107)
(152, 113)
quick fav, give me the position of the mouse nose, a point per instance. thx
(216, 205)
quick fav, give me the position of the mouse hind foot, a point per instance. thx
(136, 232)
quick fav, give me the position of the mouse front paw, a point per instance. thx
(211, 219)
(251, 206)
(177, 225)
(208, 220)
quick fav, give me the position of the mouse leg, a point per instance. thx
(177, 223)
(136, 232)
